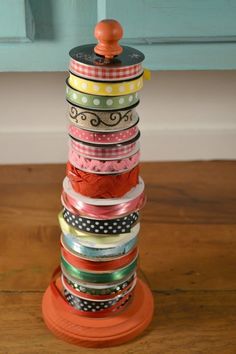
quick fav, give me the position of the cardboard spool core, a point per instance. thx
(99, 332)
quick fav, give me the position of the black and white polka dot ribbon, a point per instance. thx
(112, 226)
(92, 305)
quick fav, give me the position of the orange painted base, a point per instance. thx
(100, 332)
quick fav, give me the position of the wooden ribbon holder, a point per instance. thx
(136, 316)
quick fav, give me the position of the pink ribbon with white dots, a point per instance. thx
(102, 138)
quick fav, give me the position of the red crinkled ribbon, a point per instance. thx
(102, 186)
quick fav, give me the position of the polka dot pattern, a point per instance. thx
(113, 226)
(109, 102)
(97, 102)
(103, 138)
(99, 291)
(105, 88)
(94, 306)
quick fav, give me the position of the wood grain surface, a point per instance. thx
(187, 256)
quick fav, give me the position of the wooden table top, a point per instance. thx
(187, 256)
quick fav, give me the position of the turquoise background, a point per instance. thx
(36, 35)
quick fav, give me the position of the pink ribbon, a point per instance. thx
(102, 212)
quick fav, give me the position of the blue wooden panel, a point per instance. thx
(16, 21)
(178, 34)
(173, 34)
(59, 26)
(173, 20)
(198, 56)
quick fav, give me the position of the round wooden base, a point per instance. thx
(100, 332)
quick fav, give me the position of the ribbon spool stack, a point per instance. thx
(95, 299)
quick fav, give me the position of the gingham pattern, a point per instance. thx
(97, 152)
(102, 73)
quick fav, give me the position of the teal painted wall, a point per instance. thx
(173, 34)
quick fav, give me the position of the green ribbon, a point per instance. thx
(104, 290)
(99, 277)
(100, 102)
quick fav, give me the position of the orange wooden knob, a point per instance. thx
(108, 33)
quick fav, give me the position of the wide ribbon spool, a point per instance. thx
(58, 287)
(106, 103)
(105, 89)
(101, 186)
(99, 240)
(104, 166)
(100, 308)
(117, 151)
(74, 327)
(99, 277)
(104, 208)
(102, 137)
(102, 121)
(86, 307)
(113, 226)
(113, 308)
(92, 265)
(100, 293)
(98, 290)
(105, 73)
(107, 212)
(92, 251)
(94, 238)
(101, 202)
(95, 305)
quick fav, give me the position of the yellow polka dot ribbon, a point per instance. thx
(105, 88)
